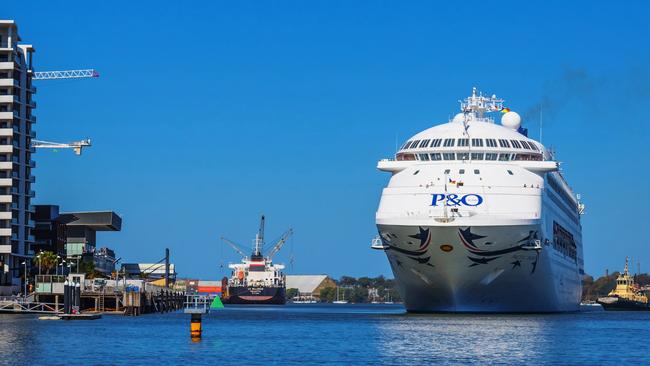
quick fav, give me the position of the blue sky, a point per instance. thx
(206, 116)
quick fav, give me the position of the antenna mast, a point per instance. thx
(259, 239)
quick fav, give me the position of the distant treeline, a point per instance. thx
(593, 289)
(362, 290)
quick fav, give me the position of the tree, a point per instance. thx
(291, 293)
(328, 294)
(46, 260)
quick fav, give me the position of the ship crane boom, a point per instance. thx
(77, 146)
(283, 239)
(234, 245)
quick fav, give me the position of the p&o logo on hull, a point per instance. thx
(453, 199)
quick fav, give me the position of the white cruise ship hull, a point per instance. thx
(451, 268)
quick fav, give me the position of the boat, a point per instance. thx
(477, 217)
(256, 280)
(339, 300)
(626, 295)
(388, 300)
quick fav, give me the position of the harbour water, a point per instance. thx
(331, 334)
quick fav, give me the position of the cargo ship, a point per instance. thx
(256, 280)
(626, 295)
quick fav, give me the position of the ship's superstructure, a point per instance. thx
(16, 164)
(256, 280)
(477, 218)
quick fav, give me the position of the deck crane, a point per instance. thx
(76, 146)
(236, 247)
(278, 245)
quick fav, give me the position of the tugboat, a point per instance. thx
(256, 280)
(626, 295)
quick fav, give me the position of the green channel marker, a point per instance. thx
(216, 303)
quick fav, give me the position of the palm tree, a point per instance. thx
(46, 260)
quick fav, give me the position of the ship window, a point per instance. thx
(414, 144)
(533, 146)
(462, 171)
(447, 171)
(436, 142)
(416, 172)
(491, 142)
(407, 145)
(490, 156)
(504, 143)
(476, 171)
(525, 145)
(462, 156)
(504, 157)
(449, 142)
(515, 143)
(463, 142)
(436, 156)
(477, 156)
(424, 143)
(449, 156)
(477, 142)
(510, 172)
(424, 157)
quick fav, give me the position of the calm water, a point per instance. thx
(330, 334)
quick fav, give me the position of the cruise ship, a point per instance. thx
(477, 217)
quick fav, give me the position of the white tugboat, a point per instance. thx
(256, 280)
(477, 217)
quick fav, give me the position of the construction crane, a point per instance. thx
(65, 74)
(76, 146)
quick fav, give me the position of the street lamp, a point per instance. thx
(25, 264)
(38, 256)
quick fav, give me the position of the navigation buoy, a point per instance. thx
(195, 327)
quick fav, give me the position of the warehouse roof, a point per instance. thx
(305, 283)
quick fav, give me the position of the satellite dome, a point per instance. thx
(459, 118)
(511, 120)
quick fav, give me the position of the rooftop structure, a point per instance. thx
(148, 270)
(16, 120)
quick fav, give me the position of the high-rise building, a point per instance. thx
(16, 119)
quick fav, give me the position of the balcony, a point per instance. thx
(30, 238)
(31, 208)
(32, 134)
(5, 215)
(32, 164)
(5, 249)
(31, 104)
(14, 222)
(31, 179)
(14, 190)
(9, 115)
(14, 175)
(9, 82)
(7, 65)
(31, 223)
(6, 165)
(7, 132)
(6, 198)
(7, 149)
(32, 119)
(31, 194)
(5, 232)
(8, 99)
(6, 182)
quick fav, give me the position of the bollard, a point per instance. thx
(66, 297)
(195, 327)
(77, 297)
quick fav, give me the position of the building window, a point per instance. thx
(477, 142)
